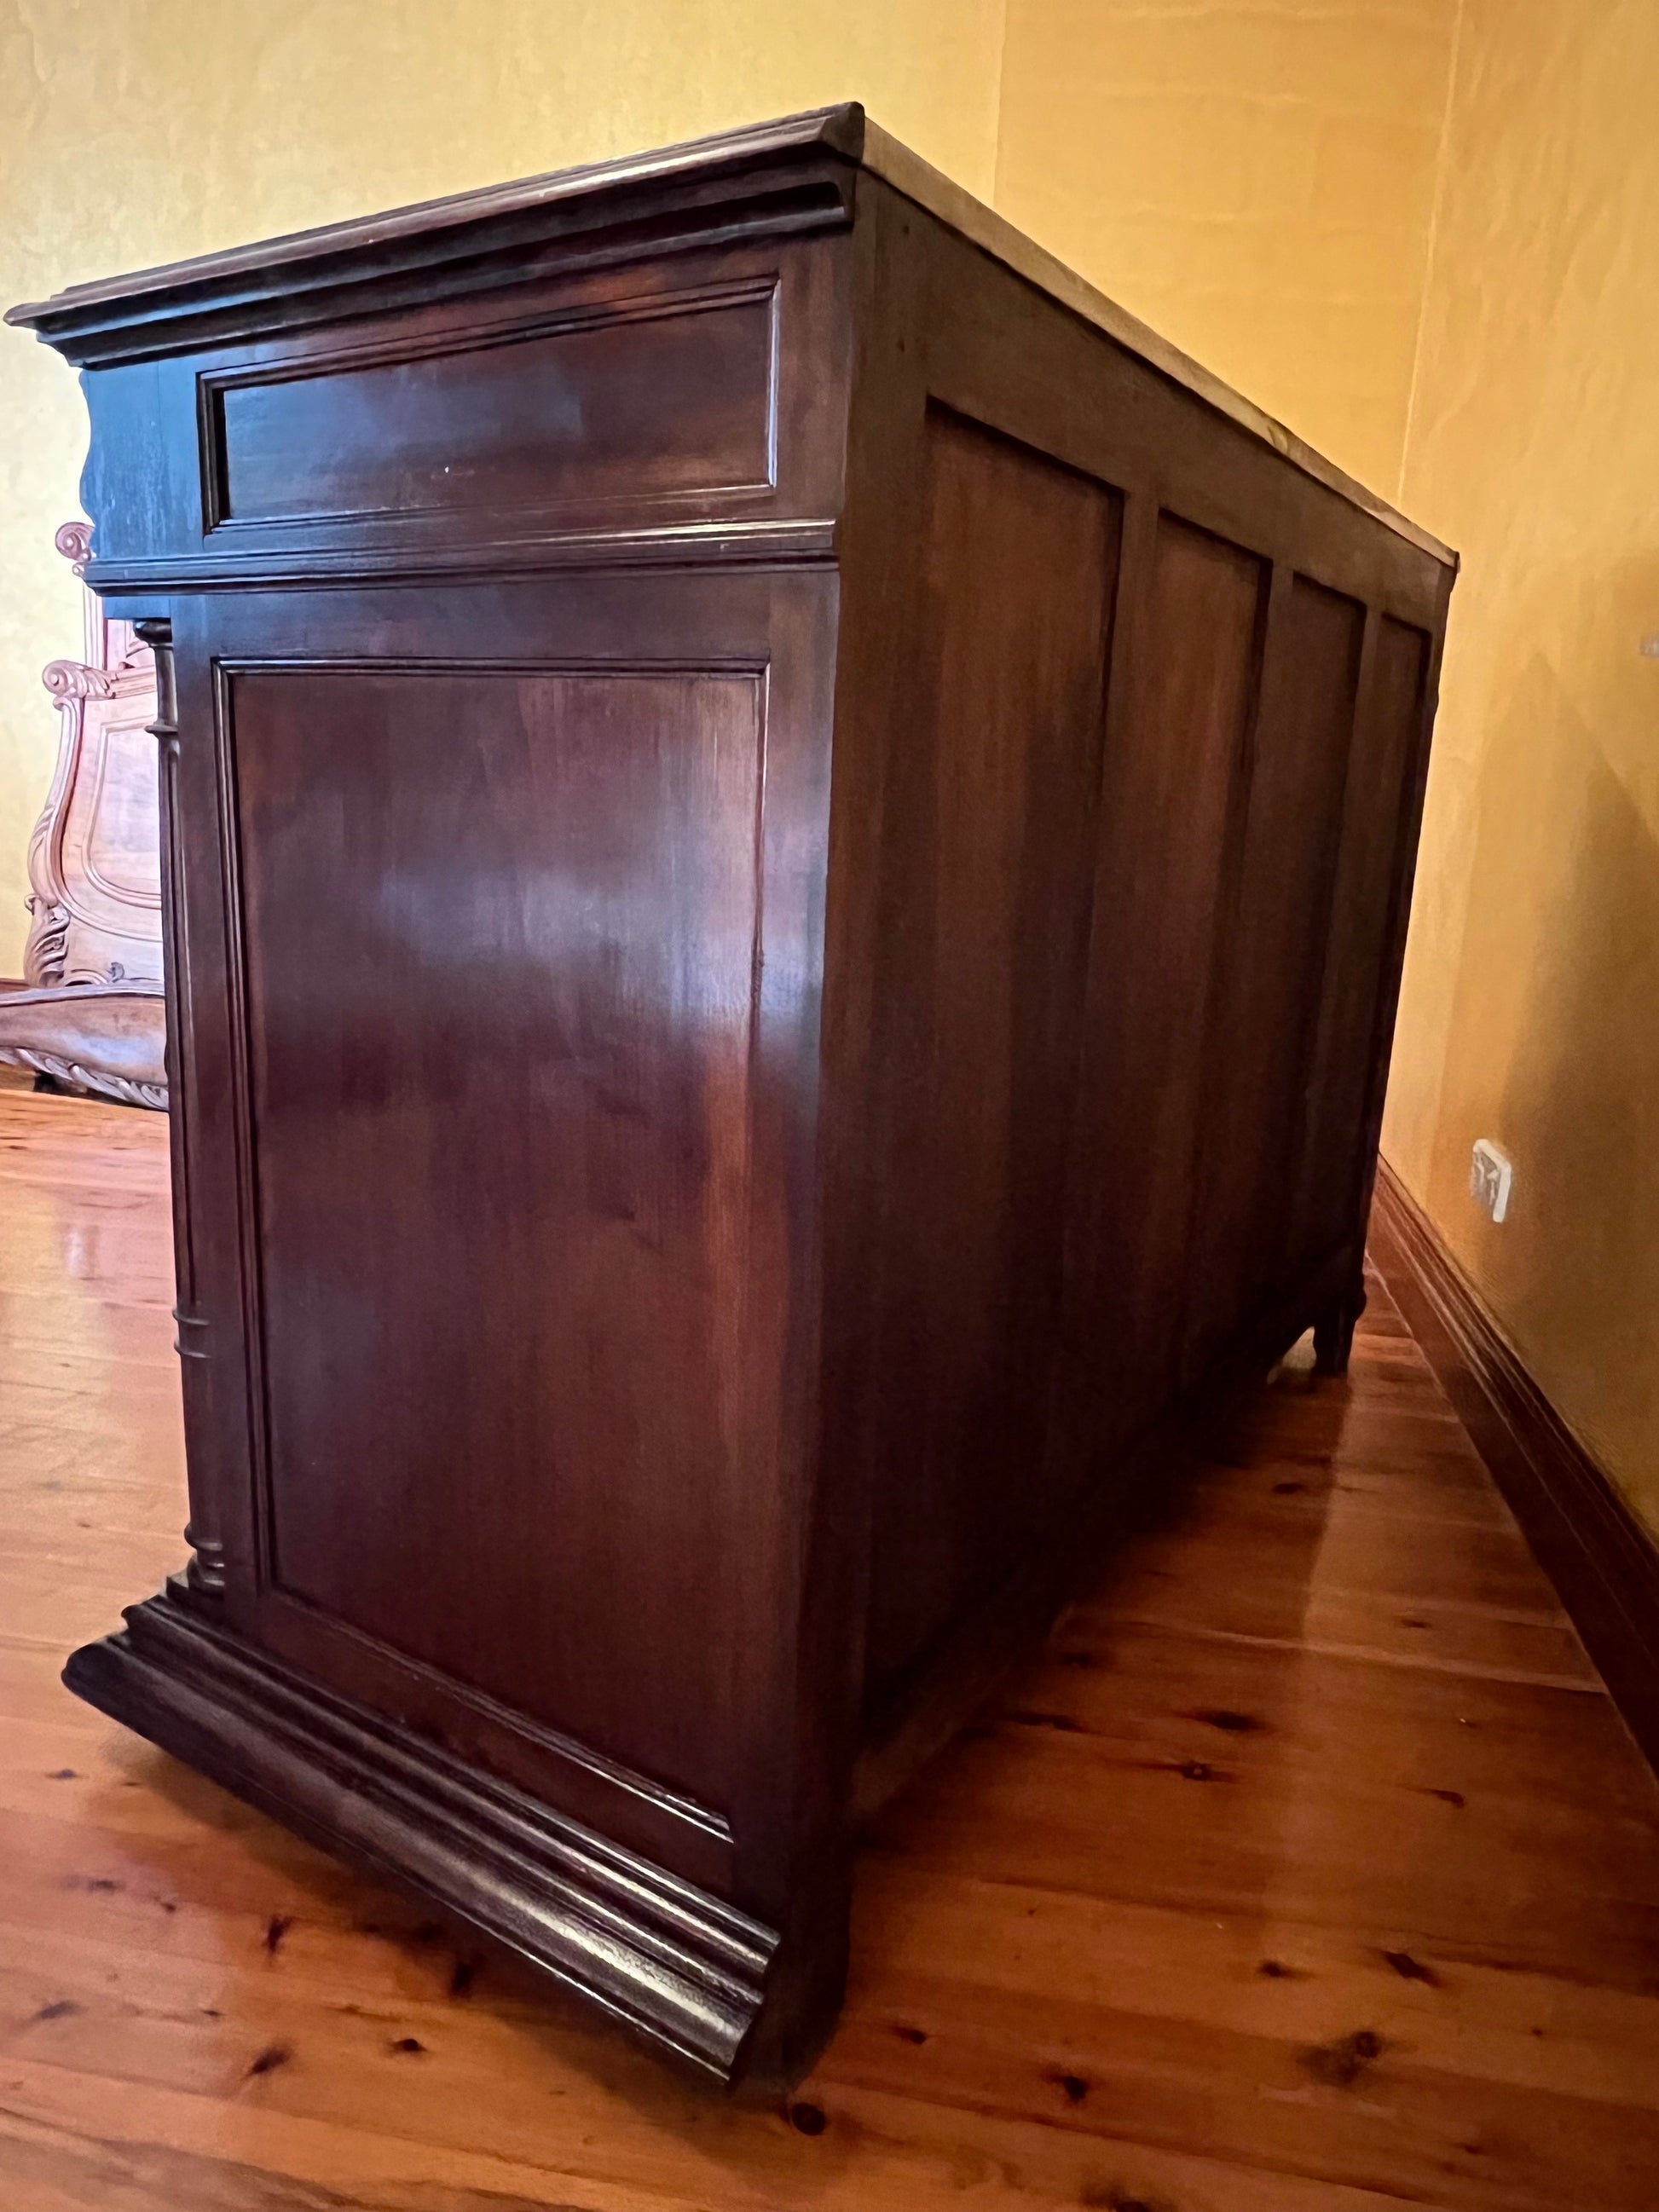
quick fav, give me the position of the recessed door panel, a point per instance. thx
(500, 948)
(1174, 773)
(1262, 1039)
(1374, 814)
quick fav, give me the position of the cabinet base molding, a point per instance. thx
(671, 1962)
(1602, 1560)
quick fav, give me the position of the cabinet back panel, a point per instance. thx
(998, 777)
(1387, 732)
(500, 955)
(1173, 771)
(1274, 959)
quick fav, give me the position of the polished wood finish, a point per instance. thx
(1308, 1868)
(1602, 1559)
(391, 429)
(985, 962)
(785, 862)
(87, 1015)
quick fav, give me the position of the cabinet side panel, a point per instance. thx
(1374, 824)
(501, 932)
(997, 804)
(1275, 957)
(1173, 774)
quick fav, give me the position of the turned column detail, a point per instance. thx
(205, 1575)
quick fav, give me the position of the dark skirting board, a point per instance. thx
(1603, 1561)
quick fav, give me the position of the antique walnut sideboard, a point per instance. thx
(786, 846)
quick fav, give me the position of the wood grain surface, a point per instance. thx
(1308, 1869)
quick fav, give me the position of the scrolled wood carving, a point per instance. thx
(78, 1077)
(74, 541)
(73, 679)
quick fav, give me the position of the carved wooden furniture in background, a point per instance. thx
(90, 1011)
(787, 846)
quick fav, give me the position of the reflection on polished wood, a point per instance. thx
(1309, 1870)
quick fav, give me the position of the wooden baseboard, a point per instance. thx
(1602, 1560)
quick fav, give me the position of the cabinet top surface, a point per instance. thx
(127, 316)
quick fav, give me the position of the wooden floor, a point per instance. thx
(1309, 1871)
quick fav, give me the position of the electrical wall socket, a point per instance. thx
(1490, 1177)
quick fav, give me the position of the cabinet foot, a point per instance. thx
(1333, 1330)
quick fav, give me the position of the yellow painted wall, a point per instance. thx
(133, 132)
(1254, 178)
(1531, 1007)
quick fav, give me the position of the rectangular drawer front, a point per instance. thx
(663, 398)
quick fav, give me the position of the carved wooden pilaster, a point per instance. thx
(205, 1576)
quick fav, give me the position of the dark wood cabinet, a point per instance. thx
(785, 844)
